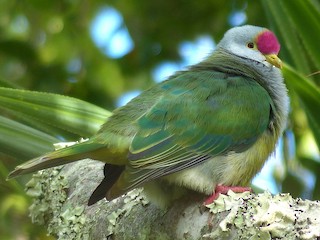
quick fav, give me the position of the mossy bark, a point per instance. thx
(61, 195)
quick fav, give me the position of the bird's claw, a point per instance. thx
(224, 190)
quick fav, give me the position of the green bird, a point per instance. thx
(206, 129)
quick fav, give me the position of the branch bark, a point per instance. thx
(61, 195)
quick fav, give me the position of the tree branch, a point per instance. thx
(61, 195)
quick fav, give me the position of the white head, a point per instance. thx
(252, 43)
(258, 48)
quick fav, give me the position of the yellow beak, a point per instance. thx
(274, 60)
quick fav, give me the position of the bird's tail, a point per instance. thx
(62, 156)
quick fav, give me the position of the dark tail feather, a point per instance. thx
(111, 175)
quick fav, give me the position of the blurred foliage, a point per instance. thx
(46, 46)
(296, 23)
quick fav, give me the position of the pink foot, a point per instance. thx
(224, 190)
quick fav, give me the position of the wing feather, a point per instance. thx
(199, 116)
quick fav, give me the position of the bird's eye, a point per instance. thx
(250, 45)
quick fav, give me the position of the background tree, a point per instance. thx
(47, 46)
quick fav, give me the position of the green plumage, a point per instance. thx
(188, 131)
(181, 126)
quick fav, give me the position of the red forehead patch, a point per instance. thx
(267, 43)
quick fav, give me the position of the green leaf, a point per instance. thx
(309, 95)
(293, 183)
(62, 112)
(304, 17)
(42, 126)
(21, 141)
(8, 84)
(288, 34)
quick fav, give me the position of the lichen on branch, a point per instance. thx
(61, 195)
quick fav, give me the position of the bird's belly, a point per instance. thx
(201, 178)
(233, 169)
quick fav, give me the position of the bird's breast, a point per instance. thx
(232, 169)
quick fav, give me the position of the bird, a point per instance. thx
(205, 129)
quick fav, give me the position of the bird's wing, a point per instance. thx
(200, 115)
